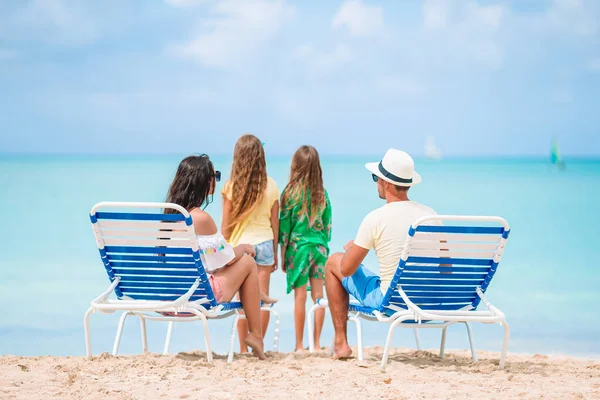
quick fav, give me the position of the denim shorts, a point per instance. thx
(365, 286)
(264, 254)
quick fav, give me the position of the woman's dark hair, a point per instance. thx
(192, 184)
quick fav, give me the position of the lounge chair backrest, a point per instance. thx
(445, 259)
(155, 255)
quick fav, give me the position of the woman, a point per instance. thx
(230, 269)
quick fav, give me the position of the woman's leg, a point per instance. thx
(316, 292)
(242, 276)
(299, 315)
(264, 281)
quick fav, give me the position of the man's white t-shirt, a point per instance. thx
(386, 229)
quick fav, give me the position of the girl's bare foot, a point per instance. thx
(257, 346)
(266, 299)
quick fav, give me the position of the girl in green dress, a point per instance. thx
(304, 234)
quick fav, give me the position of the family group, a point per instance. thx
(258, 222)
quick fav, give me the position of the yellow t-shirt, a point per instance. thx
(256, 227)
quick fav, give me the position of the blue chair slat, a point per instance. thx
(452, 261)
(435, 275)
(170, 265)
(139, 216)
(156, 272)
(156, 297)
(181, 291)
(170, 279)
(455, 282)
(443, 307)
(441, 300)
(148, 250)
(437, 288)
(177, 285)
(438, 294)
(429, 268)
(231, 306)
(485, 230)
(126, 257)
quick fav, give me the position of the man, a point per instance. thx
(384, 229)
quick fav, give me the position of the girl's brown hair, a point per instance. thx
(306, 177)
(248, 178)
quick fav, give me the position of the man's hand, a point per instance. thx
(348, 245)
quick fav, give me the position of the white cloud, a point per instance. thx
(359, 18)
(436, 14)
(239, 29)
(56, 22)
(465, 31)
(400, 85)
(184, 3)
(323, 62)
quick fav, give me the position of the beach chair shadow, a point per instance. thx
(441, 279)
(153, 262)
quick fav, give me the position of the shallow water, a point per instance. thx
(547, 283)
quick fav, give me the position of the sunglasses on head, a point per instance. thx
(217, 176)
(375, 177)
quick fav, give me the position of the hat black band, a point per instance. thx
(391, 176)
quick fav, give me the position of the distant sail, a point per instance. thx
(431, 149)
(555, 155)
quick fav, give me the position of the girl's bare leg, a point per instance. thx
(316, 292)
(264, 281)
(243, 277)
(299, 315)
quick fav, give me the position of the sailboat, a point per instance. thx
(555, 155)
(431, 150)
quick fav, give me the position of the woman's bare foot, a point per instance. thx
(342, 352)
(257, 346)
(266, 299)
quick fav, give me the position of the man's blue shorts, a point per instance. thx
(365, 286)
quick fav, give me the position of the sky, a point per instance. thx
(349, 77)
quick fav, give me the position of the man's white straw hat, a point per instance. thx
(396, 167)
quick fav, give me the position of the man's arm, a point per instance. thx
(352, 259)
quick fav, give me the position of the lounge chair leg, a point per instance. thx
(443, 344)
(232, 337)
(86, 330)
(359, 341)
(331, 350)
(505, 343)
(276, 338)
(168, 338)
(311, 328)
(388, 343)
(209, 355)
(471, 342)
(144, 336)
(119, 333)
(417, 340)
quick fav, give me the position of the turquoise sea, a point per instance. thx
(548, 283)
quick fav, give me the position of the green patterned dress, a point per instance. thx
(307, 247)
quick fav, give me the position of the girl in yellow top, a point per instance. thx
(251, 214)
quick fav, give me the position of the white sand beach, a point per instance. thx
(410, 375)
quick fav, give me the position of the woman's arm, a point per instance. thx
(275, 227)
(240, 250)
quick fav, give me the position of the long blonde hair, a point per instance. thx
(306, 177)
(248, 178)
